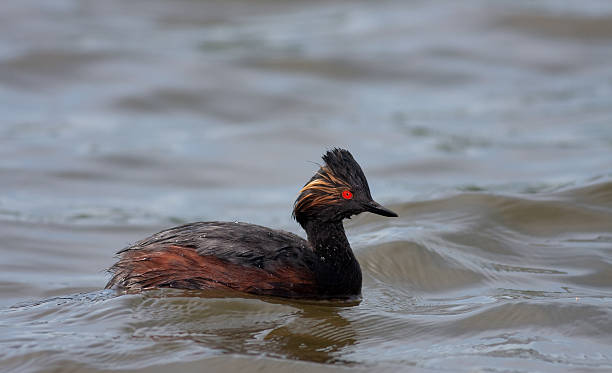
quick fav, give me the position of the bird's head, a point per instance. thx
(337, 191)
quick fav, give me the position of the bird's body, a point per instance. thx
(259, 260)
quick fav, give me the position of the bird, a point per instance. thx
(253, 259)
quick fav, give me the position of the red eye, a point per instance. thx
(347, 194)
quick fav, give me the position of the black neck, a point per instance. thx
(340, 271)
(329, 241)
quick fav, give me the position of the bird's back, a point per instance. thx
(214, 255)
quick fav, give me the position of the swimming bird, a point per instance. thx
(258, 260)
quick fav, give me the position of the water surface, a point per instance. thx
(486, 126)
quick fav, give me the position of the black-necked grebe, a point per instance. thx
(259, 260)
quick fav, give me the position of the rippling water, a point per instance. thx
(486, 125)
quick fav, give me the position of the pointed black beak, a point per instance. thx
(376, 208)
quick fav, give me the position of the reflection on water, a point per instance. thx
(233, 323)
(485, 126)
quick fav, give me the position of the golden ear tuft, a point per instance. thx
(323, 189)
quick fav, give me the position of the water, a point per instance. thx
(486, 125)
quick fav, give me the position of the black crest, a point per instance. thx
(342, 165)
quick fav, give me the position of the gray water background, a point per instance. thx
(487, 125)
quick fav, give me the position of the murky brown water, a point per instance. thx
(486, 125)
